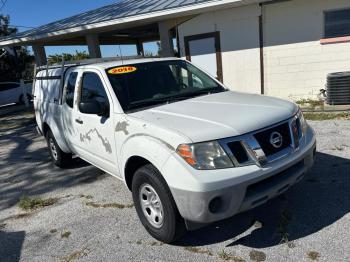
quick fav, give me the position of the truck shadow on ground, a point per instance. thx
(26, 168)
(320, 200)
(11, 245)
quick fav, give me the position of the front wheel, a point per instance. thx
(155, 205)
(59, 158)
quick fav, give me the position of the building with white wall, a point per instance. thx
(279, 48)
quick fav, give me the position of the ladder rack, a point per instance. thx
(90, 61)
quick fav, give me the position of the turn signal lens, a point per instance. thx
(185, 152)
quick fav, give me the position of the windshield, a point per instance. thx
(150, 84)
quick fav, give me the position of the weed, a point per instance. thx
(108, 205)
(224, 255)
(27, 203)
(65, 234)
(313, 255)
(139, 242)
(52, 231)
(2, 226)
(257, 256)
(76, 255)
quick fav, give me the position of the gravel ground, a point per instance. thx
(309, 223)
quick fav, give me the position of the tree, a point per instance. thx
(57, 58)
(5, 29)
(18, 63)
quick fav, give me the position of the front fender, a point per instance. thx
(153, 149)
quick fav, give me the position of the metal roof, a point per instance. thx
(121, 10)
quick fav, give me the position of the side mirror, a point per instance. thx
(92, 107)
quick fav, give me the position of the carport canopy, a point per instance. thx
(125, 22)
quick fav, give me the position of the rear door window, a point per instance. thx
(72, 80)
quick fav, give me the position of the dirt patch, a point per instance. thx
(75, 255)
(257, 256)
(199, 250)
(313, 255)
(108, 205)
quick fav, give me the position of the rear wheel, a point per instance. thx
(155, 205)
(59, 158)
(21, 99)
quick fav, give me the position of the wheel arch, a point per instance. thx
(57, 134)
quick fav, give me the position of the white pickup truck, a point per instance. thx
(191, 151)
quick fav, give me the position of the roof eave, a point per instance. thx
(149, 17)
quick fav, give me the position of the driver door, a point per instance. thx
(95, 137)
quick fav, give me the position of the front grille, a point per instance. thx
(264, 139)
(238, 151)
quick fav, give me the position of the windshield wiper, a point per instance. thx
(150, 102)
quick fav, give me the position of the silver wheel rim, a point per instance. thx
(53, 148)
(151, 205)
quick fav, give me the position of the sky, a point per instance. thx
(26, 14)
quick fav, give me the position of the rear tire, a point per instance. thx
(59, 158)
(155, 205)
(21, 99)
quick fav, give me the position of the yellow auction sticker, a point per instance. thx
(122, 70)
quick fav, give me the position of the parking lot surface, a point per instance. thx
(88, 215)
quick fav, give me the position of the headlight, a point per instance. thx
(205, 156)
(302, 121)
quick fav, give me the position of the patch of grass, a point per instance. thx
(199, 250)
(326, 116)
(65, 234)
(2, 226)
(108, 205)
(27, 203)
(257, 255)
(310, 103)
(224, 255)
(75, 255)
(52, 231)
(313, 255)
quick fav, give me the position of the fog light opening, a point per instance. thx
(215, 205)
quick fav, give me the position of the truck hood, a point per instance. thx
(219, 115)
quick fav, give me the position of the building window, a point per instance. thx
(337, 23)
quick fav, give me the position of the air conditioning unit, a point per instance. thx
(338, 88)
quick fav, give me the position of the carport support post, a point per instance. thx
(166, 41)
(39, 54)
(93, 44)
(139, 47)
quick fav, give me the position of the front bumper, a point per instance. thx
(238, 189)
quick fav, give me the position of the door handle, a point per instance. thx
(79, 121)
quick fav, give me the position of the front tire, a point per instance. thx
(155, 205)
(59, 158)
